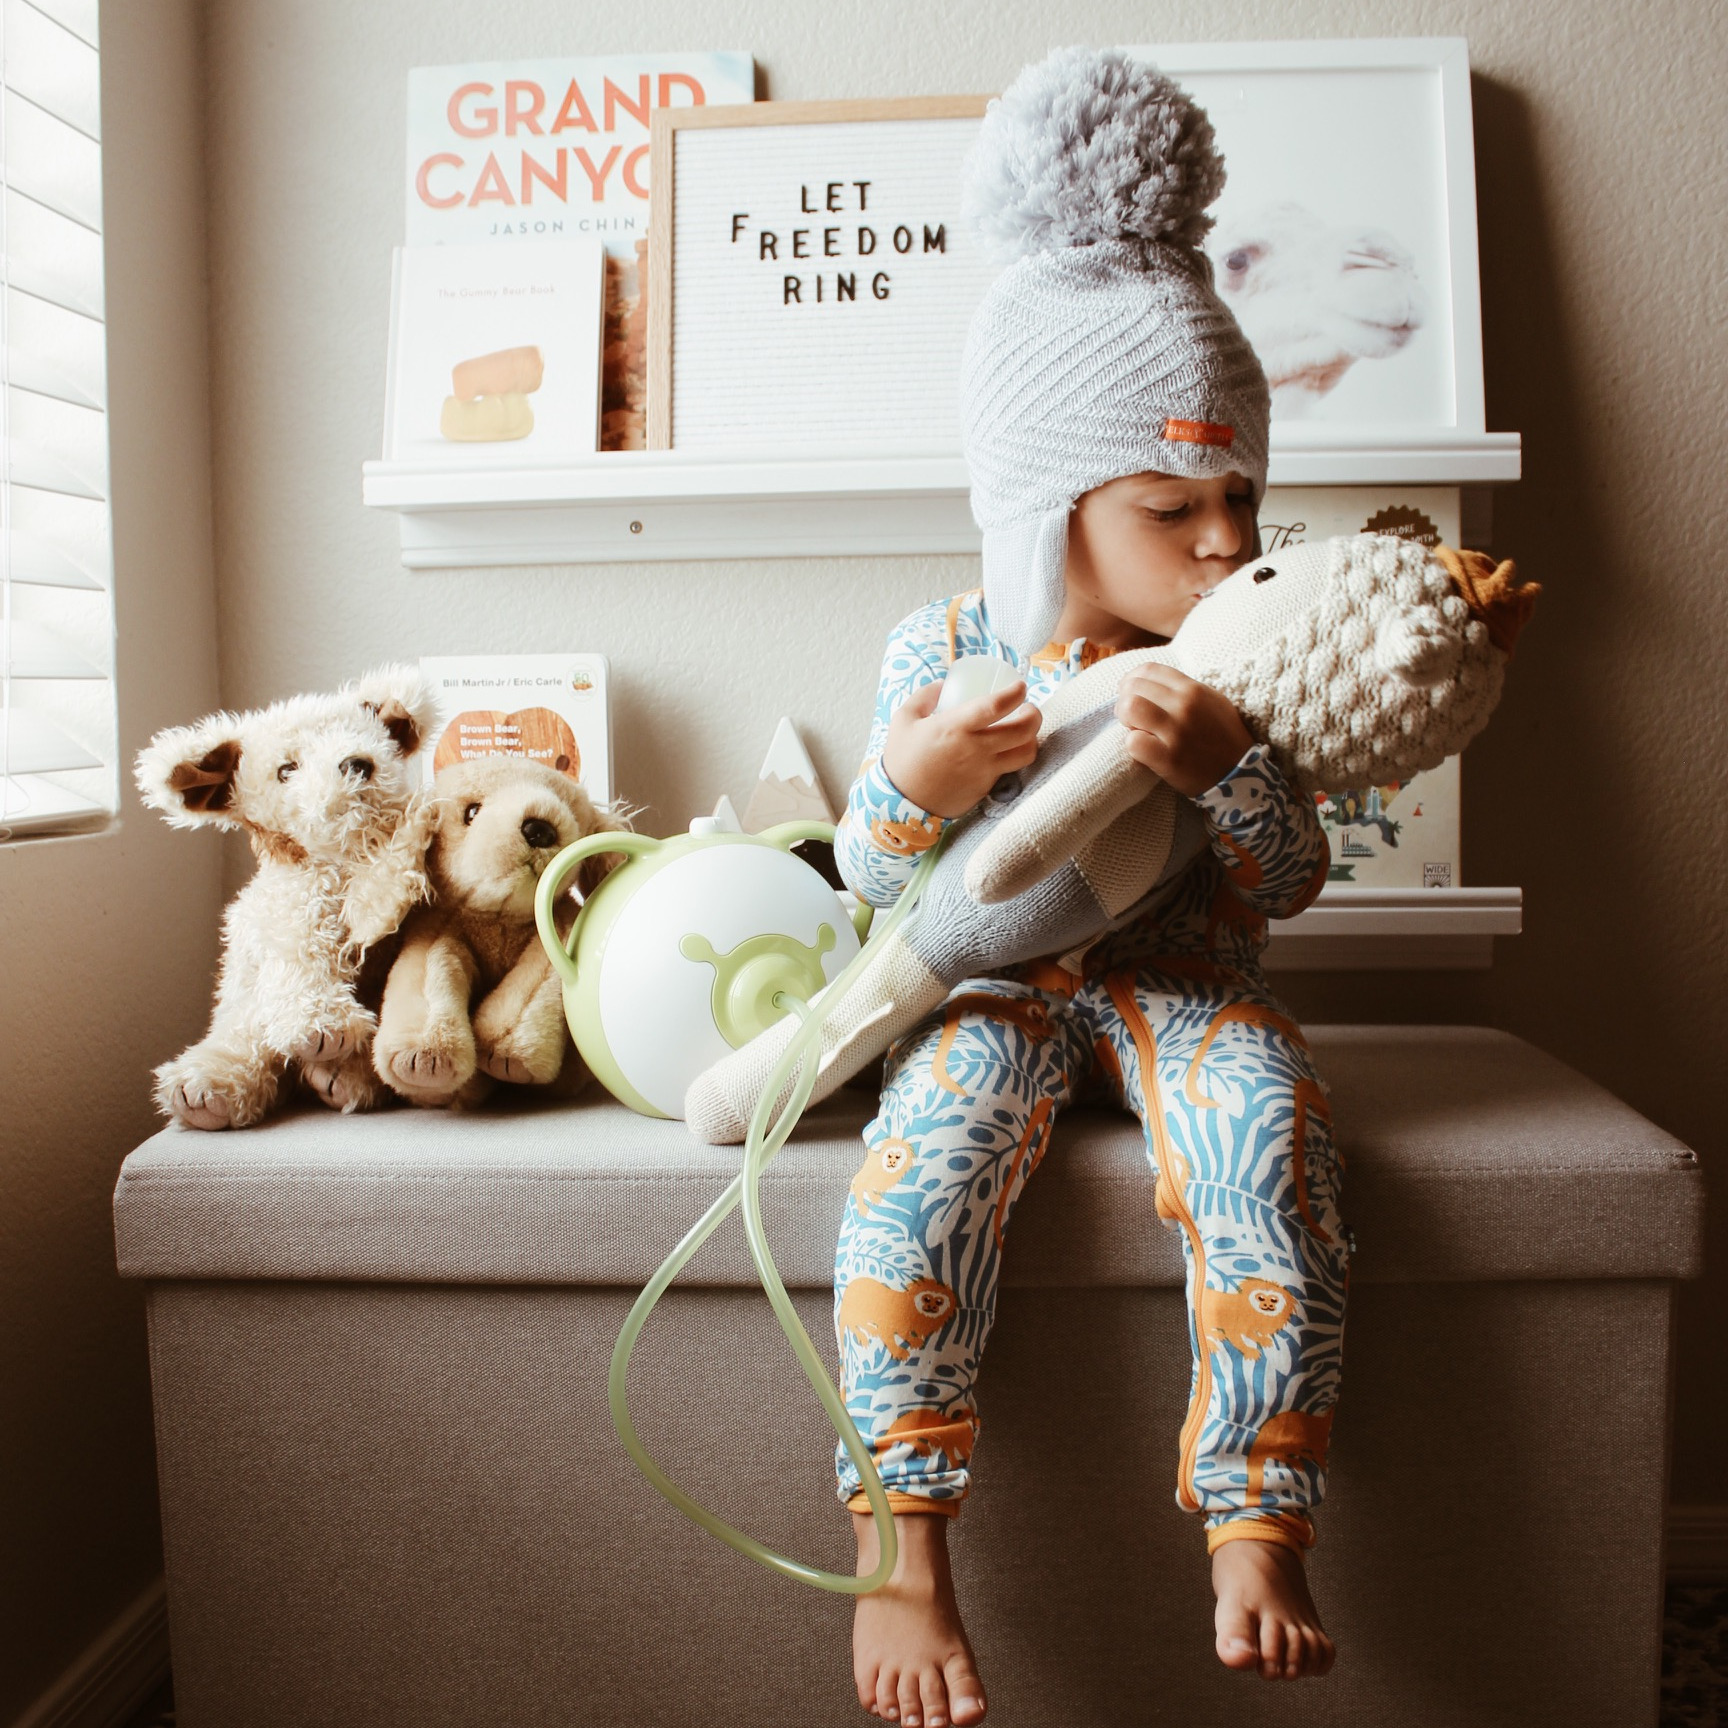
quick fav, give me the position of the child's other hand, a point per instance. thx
(946, 762)
(1181, 729)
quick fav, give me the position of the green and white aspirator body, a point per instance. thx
(677, 957)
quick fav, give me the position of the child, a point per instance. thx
(1116, 430)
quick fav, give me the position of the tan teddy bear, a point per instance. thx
(471, 998)
(323, 788)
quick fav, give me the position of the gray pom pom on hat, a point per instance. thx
(1101, 349)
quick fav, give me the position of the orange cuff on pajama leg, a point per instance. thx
(1288, 1529)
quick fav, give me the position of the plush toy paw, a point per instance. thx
(189, 1103)
(331, 1043)
(522, 1062)
(430, 1067)
(347, 1085)
(209, 1090)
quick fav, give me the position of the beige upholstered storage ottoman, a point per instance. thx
(391, 1493)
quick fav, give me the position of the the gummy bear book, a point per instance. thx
(494, 353)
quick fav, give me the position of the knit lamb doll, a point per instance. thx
(324, 789)
(1356, 660)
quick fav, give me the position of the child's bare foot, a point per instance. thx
(1266, 1618)
(910, 1659)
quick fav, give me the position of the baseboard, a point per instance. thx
(1697, 1542)
(106, 1685)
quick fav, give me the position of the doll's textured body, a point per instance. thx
(1358, 660)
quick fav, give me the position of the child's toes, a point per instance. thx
(910, 1698)
(1271, 1647)
(1238, 1640)
(965, 1692)
(935, 1696)
(864, 1680)
(888, 1694)
(1320, 1651)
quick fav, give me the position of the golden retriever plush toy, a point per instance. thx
(323, 788)
(471, 998)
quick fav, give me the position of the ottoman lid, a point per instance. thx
(1470, 1155)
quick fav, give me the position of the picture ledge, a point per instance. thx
(1353, 928)
(641, 506)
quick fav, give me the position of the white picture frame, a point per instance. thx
(1370, 134)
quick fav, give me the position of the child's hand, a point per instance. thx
(1181, 729)
(946, 762)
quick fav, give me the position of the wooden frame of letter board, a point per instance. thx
(663, 207)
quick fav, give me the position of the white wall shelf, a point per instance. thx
(641, 506)
(1353, 929)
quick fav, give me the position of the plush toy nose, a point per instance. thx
(539, 834)
(361, 765)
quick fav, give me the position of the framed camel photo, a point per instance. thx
(1345, 239)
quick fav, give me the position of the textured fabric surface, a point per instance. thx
(1123, 864)
(405, 1508)
(1471, 1155)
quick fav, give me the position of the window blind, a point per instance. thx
(59, 768)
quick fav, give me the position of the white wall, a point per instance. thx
(107, 943)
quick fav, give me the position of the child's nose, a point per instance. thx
(1220, 537)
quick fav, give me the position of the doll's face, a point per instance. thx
(1144, 549)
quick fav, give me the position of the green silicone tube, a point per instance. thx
(767, 1134)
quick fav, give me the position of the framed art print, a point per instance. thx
(1345, 240)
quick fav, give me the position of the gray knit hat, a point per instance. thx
(1101, 350)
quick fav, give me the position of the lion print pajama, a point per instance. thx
(1171, 1018)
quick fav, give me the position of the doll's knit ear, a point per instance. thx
(1493, 593)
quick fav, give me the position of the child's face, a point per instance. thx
(1143, 549)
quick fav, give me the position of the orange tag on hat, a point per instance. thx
(1199, 432)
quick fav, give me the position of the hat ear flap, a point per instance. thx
(1024, 567)
(189, 772)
